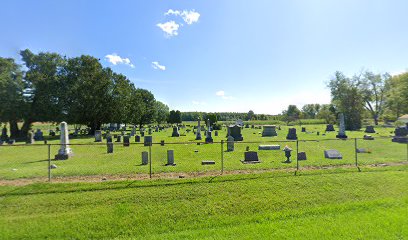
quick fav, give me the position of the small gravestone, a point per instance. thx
(303, 129)
(150, 131)
(137, 138)
(4, 136)
(156, 129)
(329, 128)
(145, 158)
(216, 133)
(251, 157)
(175, 132)
(38, 135)
(368, 137)
(342, 127)
(269, 131)
(369, 129)
(109, 147)
(230, 144)
(268, 147)
(301, 156)
(142, 133)
(148, 140)
(170, 158)
(126, 141)
(361, 150)
(108, 138)
(11, 141)
(332, 154)
(318, 133)
(252, 126)
(247, 148)
(198, 134)
(98, 136)
(53, 166)
(207, 162)
(291, 134)
(162, 143)
(119, 138)
(52, 133)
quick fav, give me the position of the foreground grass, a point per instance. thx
(372, 204)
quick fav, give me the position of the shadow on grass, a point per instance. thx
(37, 161)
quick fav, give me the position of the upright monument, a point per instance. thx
(65, 151)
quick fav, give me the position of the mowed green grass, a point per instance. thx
(372, 204)
(30, 161)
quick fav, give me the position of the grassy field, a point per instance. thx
(372, 204)
(30, 161)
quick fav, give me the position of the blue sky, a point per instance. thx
(218, 55)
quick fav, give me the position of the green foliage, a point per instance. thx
(212, 117)
(291, 114)
(162, 112)
(174, 117)
(397, 95)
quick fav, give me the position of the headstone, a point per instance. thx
(98, 136)
(109, 146)
(38, 135)
(269, 131)
(145, 158)
(175, 132)
(239, 122)
(148, 140)
(119, 138)
(251, 157)
(342, 127)
(1, 142)
(53, 166)
(65, 152)
(150, 131)
(4, 135)
(142, 133)
(52, 133)
(162, 143)
(368, 137)
(216, 133)
(247, 125)
(208, 137)
(157, 129)
(400, 135)
(198, 134)
(137, 138)
(329, 128)
(247, 148)
(11, 141)
(361, 150)
(207, 162)
(301, 156)
(303, 129)
(108, 138)
(126, 141)
(369, 129)
(235, 132)
(291, 134)
(268, 147)
(252, 126)
(230, 144)
(30, 138)
(133, 131)
(332, 154)
(170, 158)
(318, 133)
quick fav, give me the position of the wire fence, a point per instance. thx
(120, 160)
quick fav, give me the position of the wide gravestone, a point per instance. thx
(251, 157)
(268, 147)
(301, 156)
(369, 129)
(175, 132)
(292, 134)
(400, 135)
(38, 135)
(148, 140)
(235, 132)
(332, 154)
(329, 128)
(269, 131)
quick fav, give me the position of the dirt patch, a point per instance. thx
(175, 175)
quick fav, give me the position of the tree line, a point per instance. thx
(49, 87)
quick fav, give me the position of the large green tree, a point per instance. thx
(162, 112)
(291, 114)
(397, 95)
(347, 98)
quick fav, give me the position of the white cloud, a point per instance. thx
(220, 93)
(116, 59)
(199, 103)
(156, 65)
(189, 17)
(170, 28)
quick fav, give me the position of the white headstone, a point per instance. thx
(65, 151)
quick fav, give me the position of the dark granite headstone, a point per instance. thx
(369, 129)
(301, 156)
(329, 128)
(400, 135)
(251, 157)
(235, 132)
(126, 141)
(148, 140)
(368, 137)
(175, 132)
(332, 154)
(303, 129)
(291, 134)
(162, 143)
(109, 146)
(137, 138)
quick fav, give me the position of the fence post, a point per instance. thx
(355, 152)
(297, 154)
(49, 163)
(150, 160)
(222, 157)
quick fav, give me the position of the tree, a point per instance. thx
(212, 117)
(327, 112)
(291, 114)
(347, 98)
(174, 117)
(372, 87)
(12, 105)
(250, 115)
(310, 110)
(162, 112)
(397, 95)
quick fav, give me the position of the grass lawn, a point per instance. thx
(372, 204)
(30, 161)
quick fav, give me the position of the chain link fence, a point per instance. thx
(118, 160)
